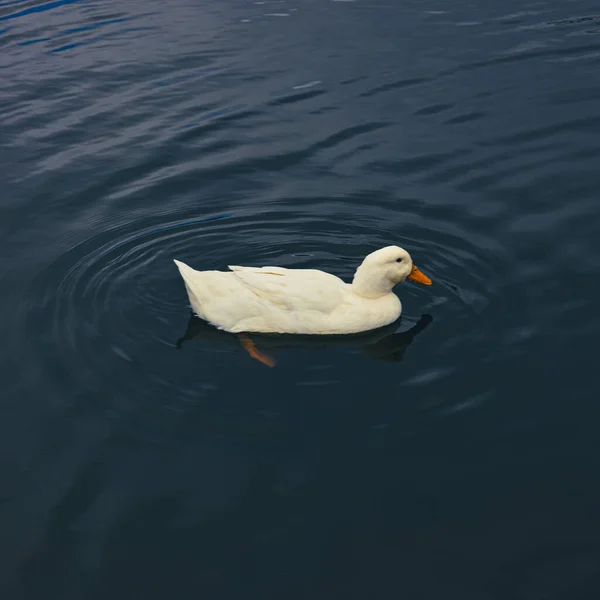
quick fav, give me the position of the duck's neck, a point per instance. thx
(368, 284)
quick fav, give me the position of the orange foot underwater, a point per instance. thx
(254, 352)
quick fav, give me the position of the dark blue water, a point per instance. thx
(454, 455)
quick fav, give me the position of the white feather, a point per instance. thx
(301, 301)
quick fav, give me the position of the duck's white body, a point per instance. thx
(300, 301)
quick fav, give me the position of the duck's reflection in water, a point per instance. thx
(385, 344)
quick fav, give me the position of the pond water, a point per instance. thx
(453, 455)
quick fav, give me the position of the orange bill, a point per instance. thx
(416, 275)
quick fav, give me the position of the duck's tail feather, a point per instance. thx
(187, 274)
(184, 270)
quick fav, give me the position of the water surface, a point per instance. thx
(145, 454)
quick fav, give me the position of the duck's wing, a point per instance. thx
(294, 289)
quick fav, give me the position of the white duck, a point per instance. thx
(301, 301)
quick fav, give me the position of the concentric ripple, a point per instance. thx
(112, 322)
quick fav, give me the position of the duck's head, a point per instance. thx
(383, 269)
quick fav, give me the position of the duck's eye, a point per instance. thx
(398, 260)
